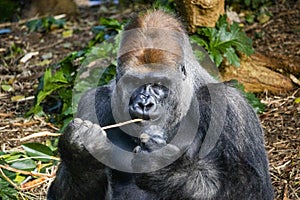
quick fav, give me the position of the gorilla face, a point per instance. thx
(158, 94)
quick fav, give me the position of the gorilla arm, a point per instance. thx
(80, 175)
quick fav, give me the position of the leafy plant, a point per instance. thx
(224, 41)
(45, 24)
(35, 157)
(60, 88)
(57, 84)
(109, 28)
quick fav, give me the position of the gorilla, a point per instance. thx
(196, 138)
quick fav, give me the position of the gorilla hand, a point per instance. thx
(80, 140)
(153, 153)
(152, 138)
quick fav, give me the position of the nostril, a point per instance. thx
(141, 105)
(149, 106)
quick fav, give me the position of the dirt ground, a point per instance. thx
(281, 119)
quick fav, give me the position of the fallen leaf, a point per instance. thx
(263, 18)
(44, 63)
(28, 56)
(47, 56)
(7, 88)
(17, 98)
(67, 33)
(67, 45)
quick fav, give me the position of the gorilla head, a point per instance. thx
(155, 72)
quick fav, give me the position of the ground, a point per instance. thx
(278, 38)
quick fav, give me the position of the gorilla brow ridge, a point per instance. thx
(152, 34)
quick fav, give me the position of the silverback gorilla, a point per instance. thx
(198, 138)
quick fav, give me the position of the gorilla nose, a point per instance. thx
(143, 107)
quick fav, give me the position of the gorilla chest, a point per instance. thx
(124, 188)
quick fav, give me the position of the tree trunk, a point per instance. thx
(200, 12)
(52, 7)
(255, 74)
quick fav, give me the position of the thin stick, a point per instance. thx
(34, 183)
(53, 127)
(40, 134)
(6, 114)
(26, 123)
(121, 124)
(46, 133)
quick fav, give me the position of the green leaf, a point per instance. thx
(27, 165)
(196, 39)
(57, 83)
(224, 40)
(110, 23)
(38, 150)
(231, 56)
(11, 156)
(7, 88)
(216, 56)
(19, 178)
(53, 82)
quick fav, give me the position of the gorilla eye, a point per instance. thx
(183, 70)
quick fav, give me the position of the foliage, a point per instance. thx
(109, 28)
(34, 157)
(44, 24)
(224, 41)
(57, 89)
(56, 86)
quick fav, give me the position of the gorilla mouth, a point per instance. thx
(148, 112)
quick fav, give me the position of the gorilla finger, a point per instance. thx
(95, 139)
